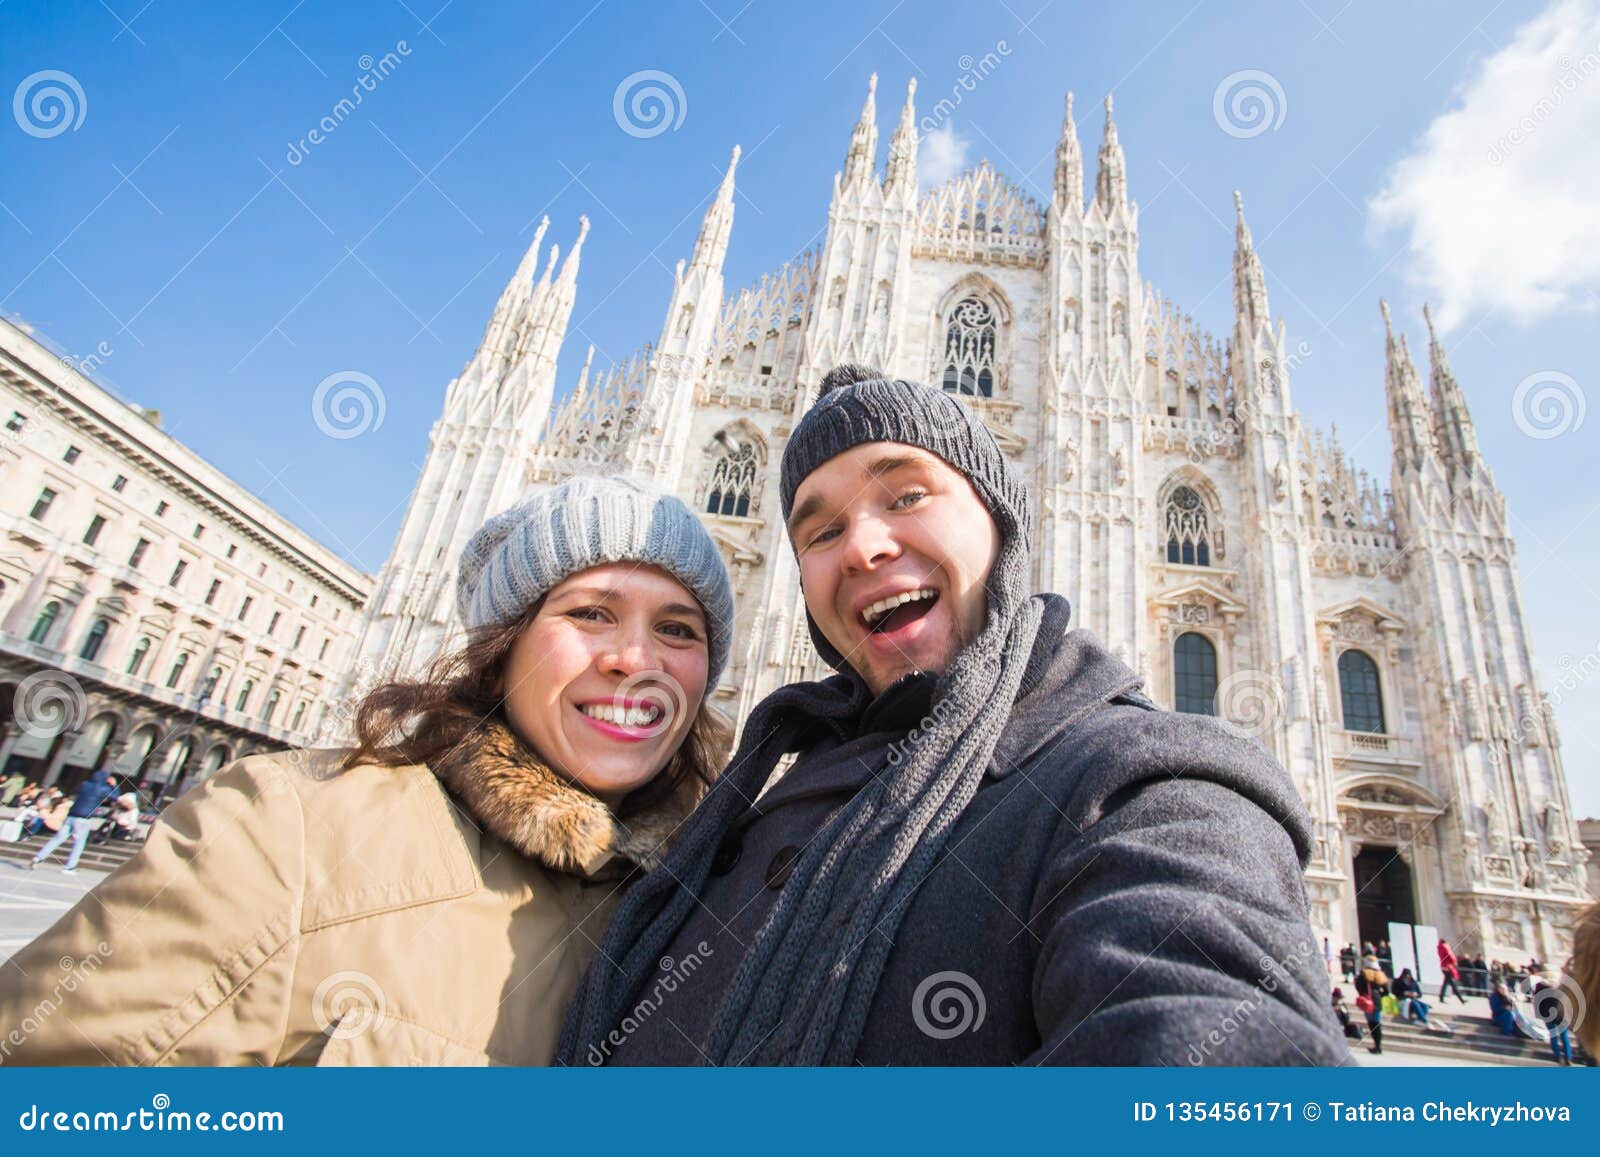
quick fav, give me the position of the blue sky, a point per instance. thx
(170, 235)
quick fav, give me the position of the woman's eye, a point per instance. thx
(587, 614)
(681, 631)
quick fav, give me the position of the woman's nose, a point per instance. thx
(630, 654)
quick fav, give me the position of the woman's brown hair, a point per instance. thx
(423, 720)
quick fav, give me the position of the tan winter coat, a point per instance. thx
(286, 913)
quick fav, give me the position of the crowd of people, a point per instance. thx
(56, 816)
(1527, 1001)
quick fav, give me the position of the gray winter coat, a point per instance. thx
(1125, 889)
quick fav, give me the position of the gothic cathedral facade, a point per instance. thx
(1373, 638)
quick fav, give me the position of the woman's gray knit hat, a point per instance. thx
(516, 557)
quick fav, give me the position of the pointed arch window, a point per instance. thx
(1194, 674)
(733, 480)
(1188, 528)
(969, 349)
(1360, 692)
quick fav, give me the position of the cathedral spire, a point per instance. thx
(516, 293)
(1409, 429)
(712, 245)
(902, 167)
(1452, 425)
(860, 161)
(1249, 283)
(1111, 183)
(1069, 165)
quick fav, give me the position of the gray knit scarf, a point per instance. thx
(807, 981)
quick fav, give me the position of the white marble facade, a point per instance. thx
(1371, 636)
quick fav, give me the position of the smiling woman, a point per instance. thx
(494, 810)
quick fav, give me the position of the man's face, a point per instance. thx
(877, 524)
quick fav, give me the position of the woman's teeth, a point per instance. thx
(622, 716)
(883, 606)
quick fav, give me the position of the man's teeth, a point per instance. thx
(622, 716)
(883, 606)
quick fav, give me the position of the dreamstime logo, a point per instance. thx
(1561, 1005)
(1249, 102)
(89, 363)
(654, 689)
(48, 703)
(373, 73)
(348, 404)
(947, 1004)
(973, 71)
(1248, 703)
(1548, 404)
(75, 972)
(648, 103)
(1273, 973)
(48, 103)
(1566, 83)
(349, 1004)
(674, 973)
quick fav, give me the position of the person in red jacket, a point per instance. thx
(1452, 973)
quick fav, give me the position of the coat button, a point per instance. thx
(727, 856)
(782, 864)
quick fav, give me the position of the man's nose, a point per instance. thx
(868, 544)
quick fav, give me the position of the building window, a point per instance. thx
(46, 620)
(1194, 674)
(178, 665)
(199, 529)
(299, 714)
(211, 591)
(272, 624)
(733, 480)
(94, 640)
(16, 422)
(323, 652)
(299, 634)
(1359, 690)
(1188, 528)
(261, 571)
(244, 607)
(271, 707)
(177, 572)
(41, 505)
(118, 483)
(71, 455)
(313, 600)
(140, 650)
(244, 694)
(139, 548)
(96, 525)
(232, 546)
(161, 509)
(969, 345)
(210, 684)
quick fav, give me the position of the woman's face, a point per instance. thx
(606, 680)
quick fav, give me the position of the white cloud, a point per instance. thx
(1501, 196)
(941, 155)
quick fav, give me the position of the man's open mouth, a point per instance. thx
(890, 614)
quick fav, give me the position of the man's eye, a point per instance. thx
(823, 535)
(908, 499)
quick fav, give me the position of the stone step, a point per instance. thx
(1474, 1038)
(100, 857)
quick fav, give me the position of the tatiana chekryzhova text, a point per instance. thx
(1444, 1111)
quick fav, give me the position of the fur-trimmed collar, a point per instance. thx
(522, 801)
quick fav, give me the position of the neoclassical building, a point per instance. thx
(1372, 637)
(155, 617)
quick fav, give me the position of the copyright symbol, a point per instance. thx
(1312, 1110)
